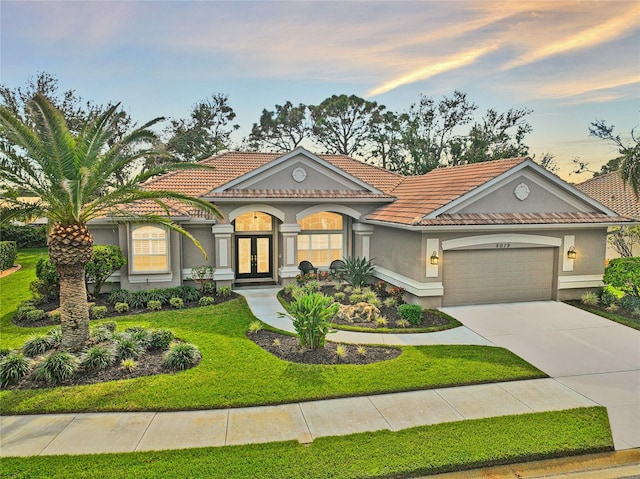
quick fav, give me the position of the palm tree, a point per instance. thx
(74, 176)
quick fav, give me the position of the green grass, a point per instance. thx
(618, 318)
(408, 453)
(235, 372)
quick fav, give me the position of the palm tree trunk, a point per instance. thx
(74, 317)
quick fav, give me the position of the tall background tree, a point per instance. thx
(342, 124)
(281, 130)
(206, 132)
(73, 173)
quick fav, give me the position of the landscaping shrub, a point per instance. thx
(357, 270)
(202, 275)
(390, 302)
(119, 296)
(411, 312)
(139, 299)
(13, 367)
(37, 345)
(339, 296)
(98, 357)
(161, 295)
(22, 310)
(206, 301)
(177, 303)
(629, 302)
(139, 334)
(47, 284)
(255, 326)
(181, 356)
(8, 254)
(225, 291)
(111, 326)
(209, 288)
(397, 293)
(55, 337)
(101, 333)
(356, 298)
(34, 315)
(4, 352)
(624, 274)
(589, 298)
(55, 316)
(98, 312)
(128, 364)
(160, 338)
(121, 307)
(56, 367)
(154, 305)
(128, 348)
(188, 293)
(25, 236)
(312, 313)
(106, 260)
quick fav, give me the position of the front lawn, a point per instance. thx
(236, 372)
(408, 453)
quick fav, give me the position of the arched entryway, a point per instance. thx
(254, 245)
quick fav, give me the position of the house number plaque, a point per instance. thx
(503, 245)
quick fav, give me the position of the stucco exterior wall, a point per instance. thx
(399, 251)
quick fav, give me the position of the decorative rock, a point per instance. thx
(360, 312)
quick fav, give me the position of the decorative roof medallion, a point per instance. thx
(299, 174)
(522, 191)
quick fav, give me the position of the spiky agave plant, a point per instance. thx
(74, 177)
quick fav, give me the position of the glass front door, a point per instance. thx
(253, 257)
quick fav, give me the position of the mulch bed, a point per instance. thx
(620, 311)
(288, 348)
(111, 312)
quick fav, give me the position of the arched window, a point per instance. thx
(149, 249)
(254, 221)
(321, 238)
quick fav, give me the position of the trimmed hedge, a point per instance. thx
(25, 236)
(8, 254)
(624, 274)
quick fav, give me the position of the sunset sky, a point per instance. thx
(570, 62)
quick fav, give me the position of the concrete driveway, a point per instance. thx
(592, 355)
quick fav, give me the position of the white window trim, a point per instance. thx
(131, 229)
(341, 232)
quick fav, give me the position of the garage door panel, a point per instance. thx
(497, 276)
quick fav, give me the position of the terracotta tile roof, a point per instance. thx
(519, 219)
(612, 192)
(420, 195)
(284, 193)
(229, 166)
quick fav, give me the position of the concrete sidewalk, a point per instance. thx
(265, 306)
(54, 434)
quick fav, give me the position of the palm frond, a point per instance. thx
(16, 210)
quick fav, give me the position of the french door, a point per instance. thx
(253, 257)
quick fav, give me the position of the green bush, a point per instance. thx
(111, 326)
(121, 307)
(139, 299)
(22, 310)
(98, 357)
(411, 312)
(177, 303)
(128, 348)
(160, 338)
(139, 334)
(209, 288)
(189, 294)
(181, 356)
(55, 337)
(101, 333)
(206, 301)
(357, 270)
(34, 315)
(629, 302)
(223, 291)
(162, 295)
(154, 305)
(47, 284)
(119, 296)
(624, 274)
(202, 275)
(339, 296)
(589, 298)
(312, 313)
(8, 254)
(13, 367)
(37, 345)
(25, 236)
(56, 367)
(356, 298)
(98, 312)
(106, 260)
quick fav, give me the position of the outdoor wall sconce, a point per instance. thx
(571, 254)
(434, 258)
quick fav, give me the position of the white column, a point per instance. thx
(289, 233)
(362, 243)
(223, 248)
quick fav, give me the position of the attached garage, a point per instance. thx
(498, 275)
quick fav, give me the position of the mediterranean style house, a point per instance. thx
(499, 231)
(611, 191)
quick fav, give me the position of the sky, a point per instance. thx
(571, 62)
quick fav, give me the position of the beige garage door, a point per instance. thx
(497, 276)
